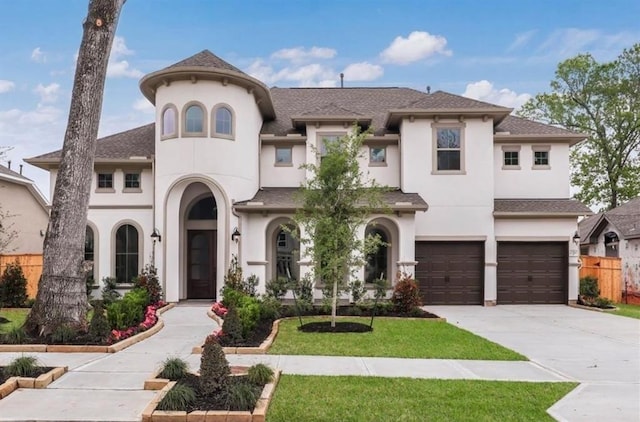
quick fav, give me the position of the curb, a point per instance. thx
(42, 381)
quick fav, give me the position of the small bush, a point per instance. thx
(234, 279)
(64, 334)
(241, 396)
(24, 366)
(129, 311)
(260, 374)
(406, 295)
(99, 326)
(277, 288)
(174, 369)
(232, 297)
(603, 302)
(17, 335)
(303, 289)
(250, 285)
(381, 286)
(178, 398)
(270, 309)
(214, 368)
(148, 281)
(249, 313)
(13, 286)
(232, 327)
(109, 292)
(358, 290)
(589, 287)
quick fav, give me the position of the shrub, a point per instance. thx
(174, 369)
(13, 286)
(24, 366)
(241, 396)
(603, 302)
(64, 334)
(589, 287)
(148, 280)
(303, 289)
(358, 290)
(178, 398)
(270, 309)
(214, 368)
(233, 279)
(232, 327)
(249, 286)
(406, 295)
(99, 326)
(17, 335)
(249, 313)
(109, 292)
(129, 311)
(260, 374)
(277, 287)
(381, 286)
(232, 297)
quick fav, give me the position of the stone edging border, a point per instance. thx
(116, 347)
(42, 381)
(150, 414)
(591, 308)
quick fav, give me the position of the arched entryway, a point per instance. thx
(381, 264)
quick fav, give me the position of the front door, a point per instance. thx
(201, 264)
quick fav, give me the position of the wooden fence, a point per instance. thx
(31, 267)
(608, 272)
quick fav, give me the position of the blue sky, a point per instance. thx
(497, 51)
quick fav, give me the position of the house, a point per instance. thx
(27, 213)
(481, 206)
(615, 233)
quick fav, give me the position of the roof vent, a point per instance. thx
(428, 89)
(342, 80)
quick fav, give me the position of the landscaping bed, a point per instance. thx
(24, 372)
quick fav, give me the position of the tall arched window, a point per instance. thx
(377, 265)
(169, 121)
(194, 123)
(127, 252)
(223, 121)
(89, 250)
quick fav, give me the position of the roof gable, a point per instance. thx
(624, 218)
(206, 59)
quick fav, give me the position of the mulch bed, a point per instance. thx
(341, 327)
(39, 371)
(256, 337)
(218, 402)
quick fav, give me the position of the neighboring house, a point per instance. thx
(28, 212)
(615, 233)
(480, 198)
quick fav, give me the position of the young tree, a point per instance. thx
(335, 203)
(61, 297)
(601, 100)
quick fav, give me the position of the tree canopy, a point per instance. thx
(601, 100)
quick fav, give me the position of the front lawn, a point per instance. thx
(391, 337)
(357, 399)
(16, 317)
(631, 311)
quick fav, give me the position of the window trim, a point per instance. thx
(511, 148)
(283, 164)
(434, 147)
(540, 148)
(112, 189)
(183, 126)
(377, 163)
(214, 132)
(174, 134)
(125, 189)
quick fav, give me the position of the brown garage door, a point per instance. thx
(532, 272)
(450, 273)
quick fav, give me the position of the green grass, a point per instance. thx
(16, 316)
(631, 311)
(362, 399)
(391, 337)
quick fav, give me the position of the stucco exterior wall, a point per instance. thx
(272, 175)
(28, 219)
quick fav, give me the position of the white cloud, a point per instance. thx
(143, 105)
(419, 45)
(38, 56)
(521, 40)
(6, 86)
(313, 74)
(119, 68)
(568, 42)
(363, 71)
(485, 91)
(49, 93)
(300, 54)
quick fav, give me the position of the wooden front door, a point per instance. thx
(201, 264)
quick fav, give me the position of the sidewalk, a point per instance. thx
(108, 387)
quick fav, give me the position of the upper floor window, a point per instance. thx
(326, 139)
(449, 149)
(283, 156)
(105, 181)
(223, 121)
(541, 157)
(194, 120)
(377, 156)
(511, 157)
(169, 116)
(132, 181)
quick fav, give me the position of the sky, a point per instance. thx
(502, 52)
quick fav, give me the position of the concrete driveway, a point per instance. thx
(599, 350)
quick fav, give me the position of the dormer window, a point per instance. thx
(169, 117)
(194, 120)
(223, 121)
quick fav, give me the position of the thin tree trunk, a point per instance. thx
(61, 298)
(334, 304)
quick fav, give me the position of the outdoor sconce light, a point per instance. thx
(156, 235)
(235, 235)
(576, 238)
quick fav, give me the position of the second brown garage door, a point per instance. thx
(450, 273)
(532, 272)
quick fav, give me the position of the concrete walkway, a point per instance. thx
(108, 387)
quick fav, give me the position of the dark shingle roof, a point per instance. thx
(519, 126)
(445, 100)
(9, 172)
(205, 58)
(138, 142)
(284, 199)
(625, 218)
(569, 207)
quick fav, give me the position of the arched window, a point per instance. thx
(169, 121)
(223, 119)
(377, 265)
(204, 209)
(194, 122)
(89, 250)
(127, 252)
(287, 250)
